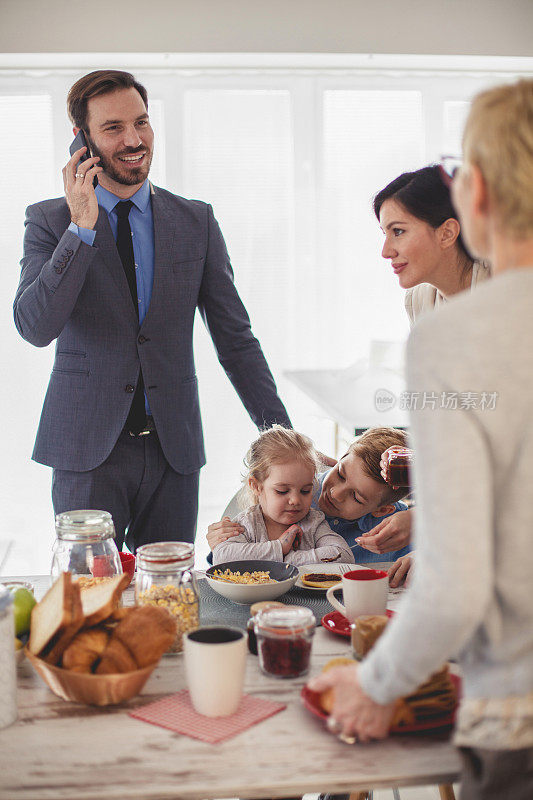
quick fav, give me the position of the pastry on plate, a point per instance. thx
(320, 580)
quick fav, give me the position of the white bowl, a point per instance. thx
(285, 576)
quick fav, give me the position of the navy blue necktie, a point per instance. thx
(137, 416)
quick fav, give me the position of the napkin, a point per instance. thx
(176, 713)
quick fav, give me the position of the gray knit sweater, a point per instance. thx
(319, 542)
(472, 592)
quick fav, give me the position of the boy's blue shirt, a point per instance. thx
(351, 529)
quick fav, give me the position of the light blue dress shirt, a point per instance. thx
(142, 228)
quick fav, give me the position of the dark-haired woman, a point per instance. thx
(423, 242)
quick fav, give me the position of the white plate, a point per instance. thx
(338, 569)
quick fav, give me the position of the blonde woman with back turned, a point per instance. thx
(470, 596)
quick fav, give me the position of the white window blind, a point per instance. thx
(27, 169)
(369, 138)
(238, 155)
(290, 158)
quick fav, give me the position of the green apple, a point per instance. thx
(23, 602)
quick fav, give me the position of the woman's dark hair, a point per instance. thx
(423, 194)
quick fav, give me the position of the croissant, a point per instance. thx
(85, 649)
(138, 640)
(116, 658)
(147, 632)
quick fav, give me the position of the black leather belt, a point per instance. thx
(148, 428)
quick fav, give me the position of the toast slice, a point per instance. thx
(51, 617)
(98, 602)
(53, 652)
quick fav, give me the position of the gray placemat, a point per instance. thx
(218, 610)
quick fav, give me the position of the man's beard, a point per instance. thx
(130, 176)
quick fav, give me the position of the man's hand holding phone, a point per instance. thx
(78, 178)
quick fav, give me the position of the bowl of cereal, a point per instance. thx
(248, 582)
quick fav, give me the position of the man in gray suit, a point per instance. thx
(115, 274)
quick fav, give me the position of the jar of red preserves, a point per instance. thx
(284, 637)
(399, 464)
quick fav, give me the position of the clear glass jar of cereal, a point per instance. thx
(165, 578)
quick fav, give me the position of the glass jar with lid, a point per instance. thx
(8, 684)
(399, 466)
(284, 637)
(165, 578)
(85, 546)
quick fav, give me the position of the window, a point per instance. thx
(290, 156)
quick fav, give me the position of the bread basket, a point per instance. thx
(94, 690)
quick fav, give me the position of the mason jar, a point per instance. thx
(399, 466)
(284, 637)
(8, 684)
(165, 578)
(85, 547)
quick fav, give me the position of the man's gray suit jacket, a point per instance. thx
(79, 296)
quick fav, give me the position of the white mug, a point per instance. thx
(365, 592)
(215, 661)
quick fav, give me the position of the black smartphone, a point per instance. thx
(78, 142)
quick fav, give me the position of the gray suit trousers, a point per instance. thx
(148, 500)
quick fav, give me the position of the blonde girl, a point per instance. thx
(280, 524)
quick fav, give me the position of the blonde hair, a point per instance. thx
(369, 447)
(276, 445)
(498, 138)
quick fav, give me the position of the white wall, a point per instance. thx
(474, 27)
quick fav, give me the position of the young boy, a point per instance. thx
(355, 498)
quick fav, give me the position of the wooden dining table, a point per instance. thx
(58, 750)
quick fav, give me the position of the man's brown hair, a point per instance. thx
(102, 81)
(369, 447)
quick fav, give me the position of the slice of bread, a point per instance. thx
(66, 608)
(52, 615)
(98, 602)
(53, 652)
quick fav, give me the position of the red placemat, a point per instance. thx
(177, 714)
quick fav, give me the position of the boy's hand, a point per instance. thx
(218, 532)
(391, 534)
(401, 571)
(291, 539)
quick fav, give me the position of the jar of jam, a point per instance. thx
(255, 609)
(284, 637)
(165, 578)
(399, 463)
(85, 546)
